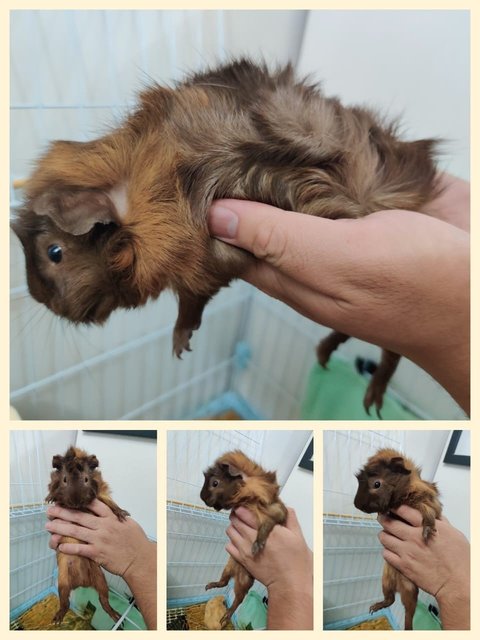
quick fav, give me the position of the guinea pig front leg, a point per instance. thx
(428, 520)
(190, 309)
(120, 513)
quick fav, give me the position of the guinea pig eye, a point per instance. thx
(215, 483)
(55, 253)
(377, 484)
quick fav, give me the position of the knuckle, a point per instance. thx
(270, 242)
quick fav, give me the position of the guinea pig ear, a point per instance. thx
(397, 465)
(57, 462)
(75, 211)
(232, 470)
(92, 462)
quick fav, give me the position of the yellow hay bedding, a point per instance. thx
(39, 618)
(378, 624)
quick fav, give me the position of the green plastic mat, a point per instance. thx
(252, 613)
(425, 620)
(337, 393)
(86, 597)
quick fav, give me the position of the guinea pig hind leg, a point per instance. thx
(243, 582)
(64, 597)
(190, 309)
(100, 584)
(379, 381)
(328, 345)
(389, 586)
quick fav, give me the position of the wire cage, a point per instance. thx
(73, 77)
(196, 535)
(33, 566)
(353, 561)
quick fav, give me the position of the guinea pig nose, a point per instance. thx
(55, 253)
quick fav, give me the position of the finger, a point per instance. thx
(54, 541)
(292, 522)
(77, 549)
(392, 558)
(71, 515)
(99, 508)
(240, 541)
(246, 516)
(390, 542)
(233, 551)
(394, 527)
(280, 237)
(69, 529)
(244, 530)
(410, 515)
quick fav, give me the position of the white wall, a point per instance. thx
(454, 485)
(129, 465)
(297, 492)
(413, 64)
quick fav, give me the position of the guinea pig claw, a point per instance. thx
(257, 547)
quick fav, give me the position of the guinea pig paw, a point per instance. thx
(374, 395)
(428, 532)
(181, 341)
(323, 354)
(257, 547)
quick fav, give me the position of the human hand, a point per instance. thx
(453, 203)
(441, 567)
(398, 279)
(286, 561)
(119, 546)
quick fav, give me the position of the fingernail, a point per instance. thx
(222, 222)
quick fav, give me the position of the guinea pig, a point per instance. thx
(74, 483)
(233, 481)
(214, 612)
(113, 222)
(387, 481)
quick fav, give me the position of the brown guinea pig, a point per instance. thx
(214, 611)
(234, 481)
(112, 222)
(74, 483)
(387, 481)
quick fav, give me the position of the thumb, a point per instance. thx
(269, 233)
(292, 522)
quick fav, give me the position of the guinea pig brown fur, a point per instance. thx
(113, 222)
(215, 609)
(387, 481)
(234, 481)
(74, 483)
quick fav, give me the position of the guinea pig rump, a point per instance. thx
(214, 611)
(78, 571)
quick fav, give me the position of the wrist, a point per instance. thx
(141, 565)
(454, 602)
